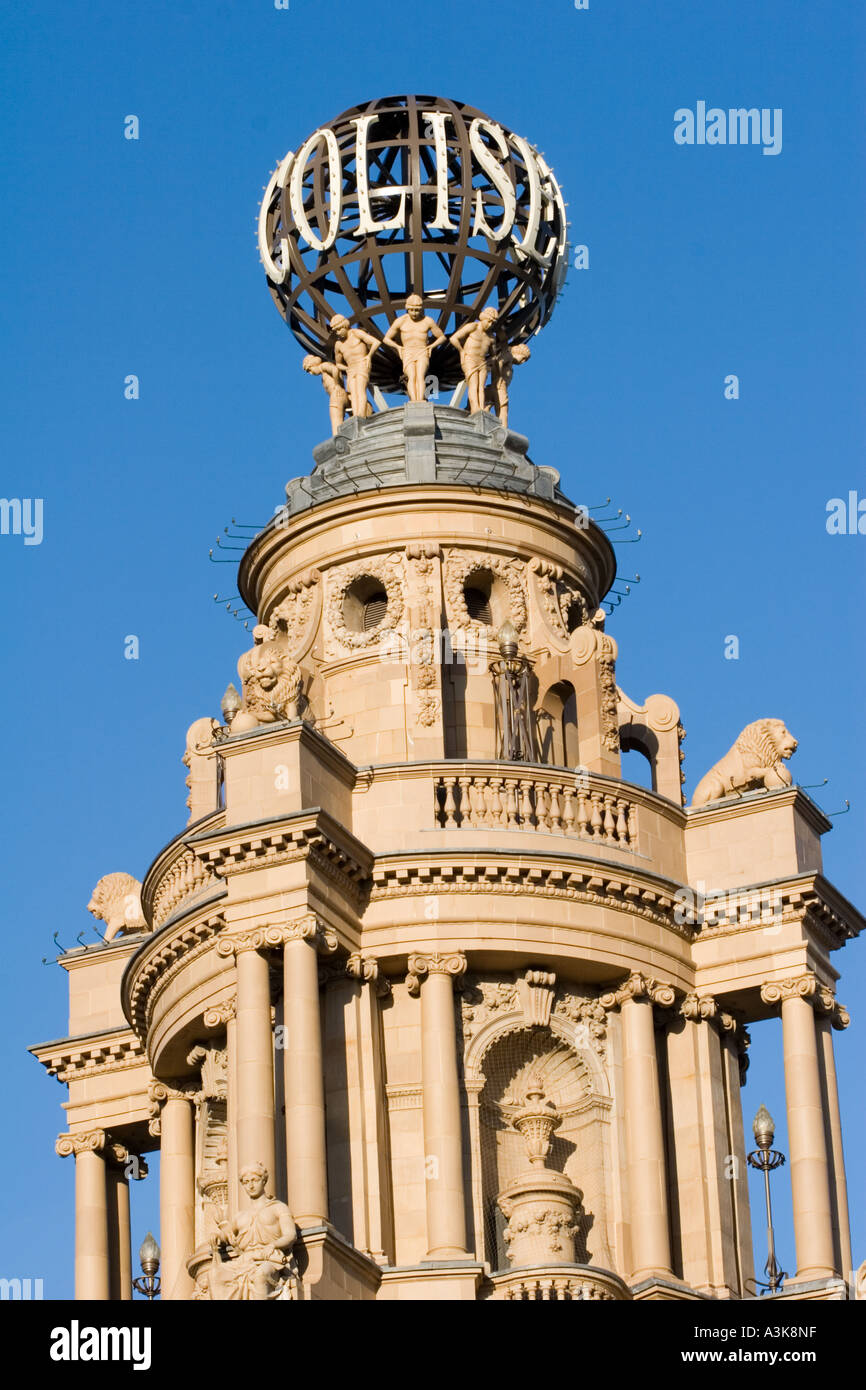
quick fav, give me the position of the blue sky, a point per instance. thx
(139, 257)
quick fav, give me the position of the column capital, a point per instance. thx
(158, 1092)
(421, 965)
(91, 1141)
(271, 935)
(218, 1015)
(639, 986)
(366, 969)
(807, 986)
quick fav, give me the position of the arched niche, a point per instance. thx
(556, 726)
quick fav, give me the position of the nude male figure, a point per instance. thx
(474, 341)
(501, 371)
(338, 400)
(413, 330)
(352, 352)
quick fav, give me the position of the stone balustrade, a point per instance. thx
(522, 798)
(175, 876)
(579, 1284)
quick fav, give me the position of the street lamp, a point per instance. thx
(148, 1255)
(765, 1158)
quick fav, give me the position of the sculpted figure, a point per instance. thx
(501, 371)
(271, 681)
(474, 341)
(410, 335)
(338, 399)
(257, 1243)
(352, 352)
(116, 901)
(756, 760)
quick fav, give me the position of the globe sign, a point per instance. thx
(413, 195)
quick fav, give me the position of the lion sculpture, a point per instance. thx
(756, 760)
(116, 901)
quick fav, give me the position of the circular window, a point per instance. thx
(478, 605)
(365, 604)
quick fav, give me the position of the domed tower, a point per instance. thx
(425, 1000)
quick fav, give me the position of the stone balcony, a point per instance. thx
(557, 1283)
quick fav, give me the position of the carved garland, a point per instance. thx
(298, 613)
(460, 565)
(556, 597)
(341, 579)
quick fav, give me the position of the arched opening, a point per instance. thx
(637, 764)
(556, 718)
(365, 604)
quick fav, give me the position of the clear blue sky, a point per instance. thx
(139, 257)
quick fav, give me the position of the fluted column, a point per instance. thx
(433, 977)
(645, 1145)
(92, 1265)
(174, 1121)
(810, 1178)
(254, 1061)
(306, 1153)
(835, 1018)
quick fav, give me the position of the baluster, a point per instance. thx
(596, 822)
(465, 809)
(632, 825)
(525, 804)
(496, 801)
(621, 822)
(582, 815)
(542, 805)
(476, 801)
(555, 807)
(568, 809)
(450, 806)
(609, 822)
(511, 802)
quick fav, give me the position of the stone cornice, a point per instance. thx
(158, 960)
(808, 898)
(71, 1059)
(287, 732)
(171, 852)
(807, 986)
(538, 874)
(748, 803)
(420, 966)
(311, 834)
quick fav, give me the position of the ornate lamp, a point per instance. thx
(510, 674)
(149, 1284)
(765, 1158)
(230, 704)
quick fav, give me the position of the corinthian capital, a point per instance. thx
(639, 986)
(420, 966)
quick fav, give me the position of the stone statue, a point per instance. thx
(332, 381)
(756, 760)
(258, 1261)
(413, 330)
(116, 901)
(474, 341)
(501, 371)
(352, 352)
(271, 680)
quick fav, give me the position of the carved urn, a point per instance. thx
(540, 1204)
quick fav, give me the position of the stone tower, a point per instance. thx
(424, 996)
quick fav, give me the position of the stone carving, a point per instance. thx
(353, 350)
(251, 1255)
(296, 616)
(475, 343)
(556, 598)
(589, 1017)
(271, 680)
(507, 356)
(756, 760)
(540, 1204)
(414, 335)
(420, 966)
(590, 642)
(421, 558)
(211, 1102)
(307, 928)
(460, 564)
(116, 901)
(366, 969)
(484, 998)
(340, 580)
(808, 987)
(639, 986)
(338, 398)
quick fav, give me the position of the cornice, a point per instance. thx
(748, 803)
(162, 956)
(72, 1059)
(312, 834)
(806, 898)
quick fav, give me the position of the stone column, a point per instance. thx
(176, 1126)
(306, 1153)
(645, 1145)
(433, 978)
(119, 1244)
(373, 1202)
(92, 1265)
(810, 1178)
(835, 1017)
(254, 1063)
(223, 1015)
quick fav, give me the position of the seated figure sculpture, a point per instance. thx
(258, 1263)
(756, 760)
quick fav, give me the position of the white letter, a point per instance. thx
(716, 132)
(732, 388)
(732, 648)
(335, 189)
(278, 178)
(130, 384)
(740, 121)
(771, 131)
(362, 180)
(684, 130)
(442, 221)
(32, 521)
(130, 127)
(59, 1344)
(581, 258)
(130, 647)
(497, 176)
(836, 523)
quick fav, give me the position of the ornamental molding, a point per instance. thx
(823, 913)
(72, 1061)
(270, 936)
(334, 853)
(386, 571)
(555, 596)
(460, 564)
(639, 986)
(810, 988)
(185, 943)
(420, 966)
(604, 886)
(158, 1092)
(366, 970)
(297, 614)
(220, 1015)
(100, 1141)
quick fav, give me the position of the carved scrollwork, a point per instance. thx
(271, 935)
(639, 986)
(340, 580)
(557, 599)
(420, 966)
(297, 615)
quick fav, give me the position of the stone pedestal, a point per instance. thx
(540, 1207)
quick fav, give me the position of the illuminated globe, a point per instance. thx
(413, 195)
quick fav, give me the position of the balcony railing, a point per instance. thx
(553, 1283)
(557, 803)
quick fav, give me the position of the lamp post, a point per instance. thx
(149, 1283)
(765, 1158)
(511, 686)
